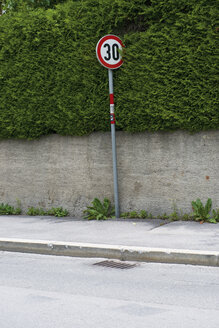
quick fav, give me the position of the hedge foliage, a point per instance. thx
(51, 81)
(18, 5)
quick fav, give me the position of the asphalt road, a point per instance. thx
(39, 291)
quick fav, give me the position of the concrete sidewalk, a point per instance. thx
(146, 240)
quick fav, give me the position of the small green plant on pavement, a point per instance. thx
(215, 216)
(6, 209)
(56, 211)
(143, 214)
(137, 215)
(33, 211)
(201, 212)
(186, 217)
(124, 215)
(99, 211)
(133, 214)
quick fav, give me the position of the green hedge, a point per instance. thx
(51, 81)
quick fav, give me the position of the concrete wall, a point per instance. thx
(156, 170)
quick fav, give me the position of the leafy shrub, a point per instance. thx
(33, 211)
(137, 215)
(124, 215)
(99, 211)
(55, 211)
(215, 216)
(6, 209)
(133, 214)
(143, 214)
(58, 211)
(21, 5)
(51, 81)
(201, 212)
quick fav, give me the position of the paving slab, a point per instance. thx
(139, 233)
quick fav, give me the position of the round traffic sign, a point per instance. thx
(108, 51)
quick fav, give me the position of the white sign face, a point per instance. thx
(108, 51)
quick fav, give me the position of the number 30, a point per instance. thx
(112, 51)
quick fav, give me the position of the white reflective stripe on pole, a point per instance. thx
(113, 135)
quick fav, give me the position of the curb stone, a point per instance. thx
(119, 252)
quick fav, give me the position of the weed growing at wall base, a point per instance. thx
(6, 209)
(34, 211)
(58, 212)
(104, 210)
(201, 212)
(54, 211)
(99, 211)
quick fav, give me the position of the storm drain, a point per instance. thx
(116, 265)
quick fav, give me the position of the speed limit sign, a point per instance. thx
(108, 51)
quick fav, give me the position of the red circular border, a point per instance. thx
(99, 45)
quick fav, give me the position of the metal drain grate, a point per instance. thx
(116, 265)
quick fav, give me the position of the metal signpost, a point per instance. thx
(108, 52)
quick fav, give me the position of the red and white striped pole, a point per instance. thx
(113, 136)
(112, 114)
